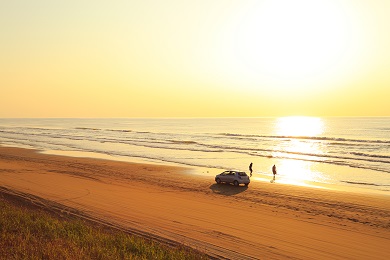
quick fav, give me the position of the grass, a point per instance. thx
(32, 233)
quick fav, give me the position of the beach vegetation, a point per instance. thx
(33, 233)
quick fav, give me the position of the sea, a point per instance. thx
(346, 153)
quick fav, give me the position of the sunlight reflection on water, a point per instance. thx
(298, 171)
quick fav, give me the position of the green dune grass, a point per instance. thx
(32, 233)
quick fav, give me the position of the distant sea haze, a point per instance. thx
(343, 152)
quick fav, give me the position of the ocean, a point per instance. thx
(344, 153)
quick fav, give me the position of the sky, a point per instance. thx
(206, 58)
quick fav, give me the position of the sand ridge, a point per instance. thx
(168, 203)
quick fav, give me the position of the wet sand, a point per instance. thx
(264, 220)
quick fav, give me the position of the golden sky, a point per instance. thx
(194, 58)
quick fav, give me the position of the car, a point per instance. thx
(235, 177)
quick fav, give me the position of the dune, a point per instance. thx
(173, 205)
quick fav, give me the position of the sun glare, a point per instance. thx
(299, 126)
(299, 172)
(294, 43)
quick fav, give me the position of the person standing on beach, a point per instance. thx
(250, 169)
(274, 172)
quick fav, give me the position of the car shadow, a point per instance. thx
(227, 189)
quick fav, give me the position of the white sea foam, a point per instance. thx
(347, 151)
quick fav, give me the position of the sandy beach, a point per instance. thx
(170, 204)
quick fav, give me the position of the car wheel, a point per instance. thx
(235, 183)
(218, 180)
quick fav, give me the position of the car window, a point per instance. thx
(242, 173)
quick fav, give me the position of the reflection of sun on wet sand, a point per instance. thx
(260, 221)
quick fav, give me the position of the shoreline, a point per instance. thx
(211, 172)
(346, 185)
(266, 220)
(353, 160)
(93, 155)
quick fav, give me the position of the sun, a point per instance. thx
(301, 126)
(294, 41)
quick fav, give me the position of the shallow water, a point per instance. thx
(343, 152)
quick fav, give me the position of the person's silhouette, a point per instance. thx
(274, 172)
